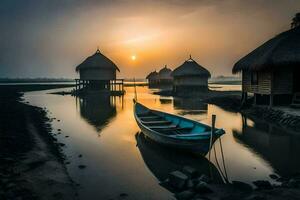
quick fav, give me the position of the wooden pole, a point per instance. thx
(135, 94)
(213, 121)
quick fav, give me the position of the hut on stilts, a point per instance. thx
(190, 77)
(165, 77)
(98, 73)
(153, 79)
(272, 71)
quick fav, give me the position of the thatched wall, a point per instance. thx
(190, 81)
(98, 74)
(269, 82)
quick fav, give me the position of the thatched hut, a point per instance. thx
(165, 77)
(190, 76)
(97, 72)
(272, 71)
(153, 79)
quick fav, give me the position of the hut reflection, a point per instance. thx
(279, 147)
(97, 109)
(164, 100)
(161, 161)
(190, 106)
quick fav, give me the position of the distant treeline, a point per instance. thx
(34, 80)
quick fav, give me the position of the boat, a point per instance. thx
(175, 131)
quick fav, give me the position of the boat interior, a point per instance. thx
(170, 125)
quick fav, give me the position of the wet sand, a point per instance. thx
(31, 163)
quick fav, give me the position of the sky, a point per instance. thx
(49, 38)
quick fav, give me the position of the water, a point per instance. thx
(119, 160)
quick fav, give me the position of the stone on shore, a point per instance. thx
(242, 186)
(190, 171)
(204, 178)
(264, 185)
(187, 194)
(177, 179)
(203, 188)
(273, 176)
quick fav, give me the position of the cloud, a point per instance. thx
(50, 37)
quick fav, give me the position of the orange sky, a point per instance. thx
(52, 38)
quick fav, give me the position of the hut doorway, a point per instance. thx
(296, 79)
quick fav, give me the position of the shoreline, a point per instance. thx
(231, 101)
(31, 162)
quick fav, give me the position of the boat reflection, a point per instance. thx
(97, 109)
(161, 161)
(277, 146)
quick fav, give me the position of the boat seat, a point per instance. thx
(163, 127)
(156, 122)
(177, 129)
(150, 118)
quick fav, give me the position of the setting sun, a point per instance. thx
(133, 57)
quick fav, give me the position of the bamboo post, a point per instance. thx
(135, 94)
(213, 121)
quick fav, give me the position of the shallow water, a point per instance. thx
(118, 160)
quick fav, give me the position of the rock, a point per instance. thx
(81, 166)
(123, 195)
(177, 179)
(273, 176)
(203, 187)
(187, 194)
(190, 171)
(280, 179)
(204, 178)
(59, 129)
(261, 184)
(10, 185)
(190, 184)
(79, 156)
(62, 144)
(293, 183)
(242, 186)
(66, 136)
(255, 197)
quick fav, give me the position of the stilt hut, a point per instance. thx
(272, 71)
(190, 76)
(153, 79)
(97, 72)
(165, 77)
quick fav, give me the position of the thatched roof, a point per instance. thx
(98, 61)
(280, 51)
(191, 68)
(165, 73)
(152, 75)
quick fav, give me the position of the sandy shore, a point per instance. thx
(31, 163)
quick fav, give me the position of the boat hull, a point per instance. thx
(201, 146)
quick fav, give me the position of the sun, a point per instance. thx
(133, 57)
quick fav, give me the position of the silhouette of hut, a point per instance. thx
(271, 72)
(153, 79)
(165, 77)
(190, 76)
(97, 72)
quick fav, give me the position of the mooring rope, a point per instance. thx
(223, 159)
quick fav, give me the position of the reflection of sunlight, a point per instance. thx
(226, 120)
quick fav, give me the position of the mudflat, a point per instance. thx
(31, 163)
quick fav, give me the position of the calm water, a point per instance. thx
(119, 160)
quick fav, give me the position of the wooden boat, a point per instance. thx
(175, 131)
